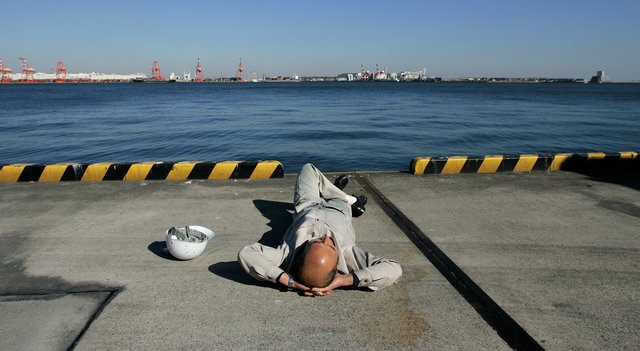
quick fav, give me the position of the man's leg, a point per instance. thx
(312, 186)
(307, 191)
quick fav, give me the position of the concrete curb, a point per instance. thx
(88, 172)
(524, 163)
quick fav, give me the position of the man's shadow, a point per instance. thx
(280, 218)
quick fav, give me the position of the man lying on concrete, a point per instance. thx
(319, 251)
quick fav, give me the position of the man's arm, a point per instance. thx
(263, 262)
(375, 272)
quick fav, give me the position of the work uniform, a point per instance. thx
(321, 209)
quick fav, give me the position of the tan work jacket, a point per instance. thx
(267, 263)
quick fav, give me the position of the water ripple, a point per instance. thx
(339, 126)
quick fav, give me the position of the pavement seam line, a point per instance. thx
(508, 329)
(112, 294)
(92, 318)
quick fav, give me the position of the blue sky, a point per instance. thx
(516, 38)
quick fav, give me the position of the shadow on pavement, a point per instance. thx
(233, 271)
(280, 218)
(159, 248)
(625, 177)
(610, 169)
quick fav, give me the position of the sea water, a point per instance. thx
(339, 126)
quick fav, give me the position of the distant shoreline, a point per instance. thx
(487, 80)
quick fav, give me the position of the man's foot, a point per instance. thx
(357, 209)
(341, 182)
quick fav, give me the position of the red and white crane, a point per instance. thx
(155, 71)
(199, 72)
(6, 73)
(61, 72)
(240, 72)
(27, 72)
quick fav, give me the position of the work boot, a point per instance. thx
(357, 209)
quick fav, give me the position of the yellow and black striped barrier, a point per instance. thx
(90, 172)
(524, 163)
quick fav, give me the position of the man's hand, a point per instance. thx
(301, 287)
(339, 281)
(284, 280)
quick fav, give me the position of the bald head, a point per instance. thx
(318, 267)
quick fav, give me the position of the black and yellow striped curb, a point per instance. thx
(90, 172)
(523, 163)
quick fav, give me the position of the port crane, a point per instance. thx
(240, 72)
(61, 72)
(27, 72)
(366, 75)
(6, 73)
(155, 71)
(199, 72)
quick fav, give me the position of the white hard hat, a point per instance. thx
(188, 242)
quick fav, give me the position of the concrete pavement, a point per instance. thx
(84, 265)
